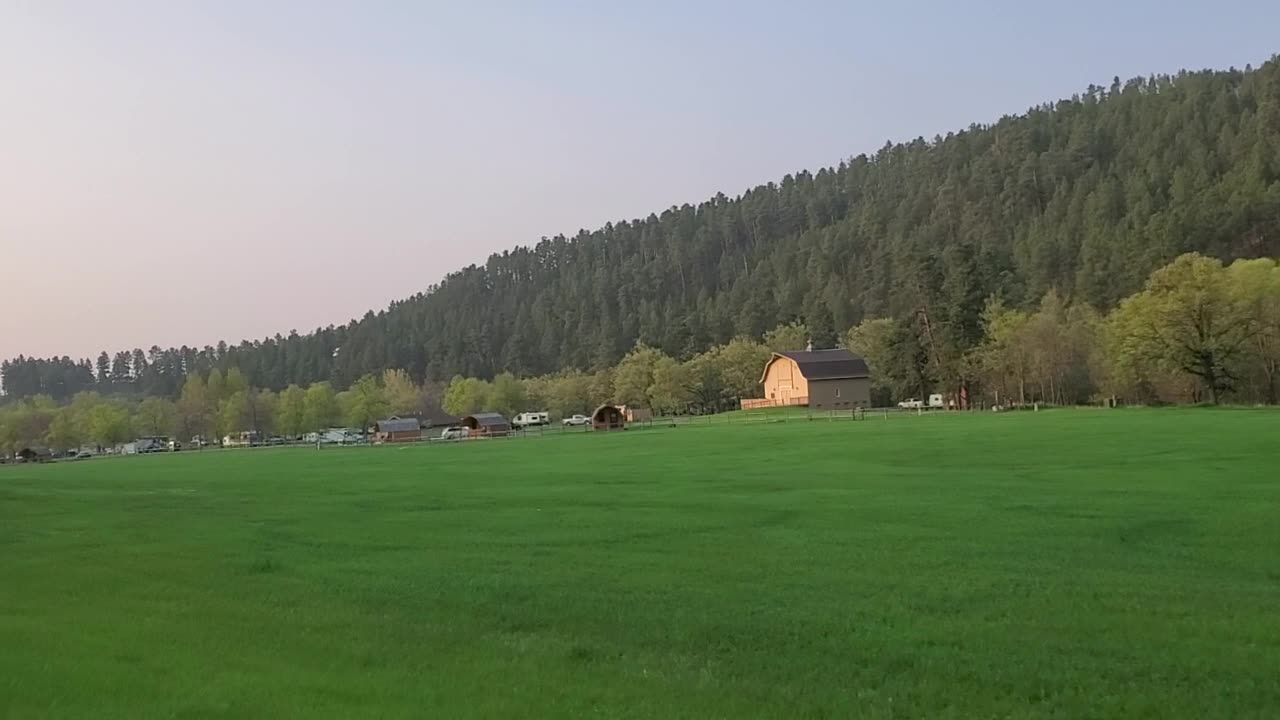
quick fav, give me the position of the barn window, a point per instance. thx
(837, 392)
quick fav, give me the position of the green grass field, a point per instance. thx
(1068, 564)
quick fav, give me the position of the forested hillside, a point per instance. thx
(1085, 196)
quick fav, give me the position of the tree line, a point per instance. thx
(1080, 199)
(1197, 331)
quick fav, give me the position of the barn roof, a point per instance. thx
(489, 419)
(397, 424)
(837, 364)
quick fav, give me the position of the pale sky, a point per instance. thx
(186, 172)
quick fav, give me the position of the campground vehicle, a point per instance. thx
(531, 419)
(576, 420)
(149, 444)
(454, 433)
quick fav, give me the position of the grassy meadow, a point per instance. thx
(1065, 564)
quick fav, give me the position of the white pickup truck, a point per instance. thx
(576, 420)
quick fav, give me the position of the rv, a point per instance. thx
(530, 419)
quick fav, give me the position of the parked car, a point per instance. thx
(576, 420)
(454, 433)
(911, 404)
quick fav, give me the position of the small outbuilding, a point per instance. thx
(397, 429)
(608, 417)
(34, 455)
(486, 424)
(635, 414)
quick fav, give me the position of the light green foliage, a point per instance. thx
(216, 389)
(366, 403)
(65, 431)
(672, 388)
(870, 339)
(787, 338)
(108, 424)
(234, 382)
(1256, 284)
(563, 394)
(291, 412)
(1190, 319)
(403, 396)
(464, 396)
(322, 409)
(196, 408)
(155, 416)
(27, 423)
(508, 395)
(738, 364)
(233, 414)
(266, 404)
(633, 377)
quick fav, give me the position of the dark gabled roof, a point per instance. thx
(397, 424)
(837, 364)
(489, 419)
(439, 418)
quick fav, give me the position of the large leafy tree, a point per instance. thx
(1189, 317)
(291, 414)
(1256, 284)
(402, 394)
(108, 424)
(366, 402)
(633, 377)
(195, 408)
(155, 416)
(321, 409)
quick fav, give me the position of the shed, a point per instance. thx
(635, 414)
(397, 429)
(817, 378)
(487, 424)
(34, 455)
(608, 417)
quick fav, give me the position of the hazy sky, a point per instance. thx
(183, 172)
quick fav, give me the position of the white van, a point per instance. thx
(530, 419)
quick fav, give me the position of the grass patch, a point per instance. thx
(1054, 564)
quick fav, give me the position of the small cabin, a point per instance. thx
(397, 429)
(608, 417)
(486, 424)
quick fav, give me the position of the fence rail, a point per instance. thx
(762, 403)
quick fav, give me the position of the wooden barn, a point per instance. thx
(608, 417)
(817, 378)
(482, 424)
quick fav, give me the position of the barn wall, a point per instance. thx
(839, 394)
(783, 381)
